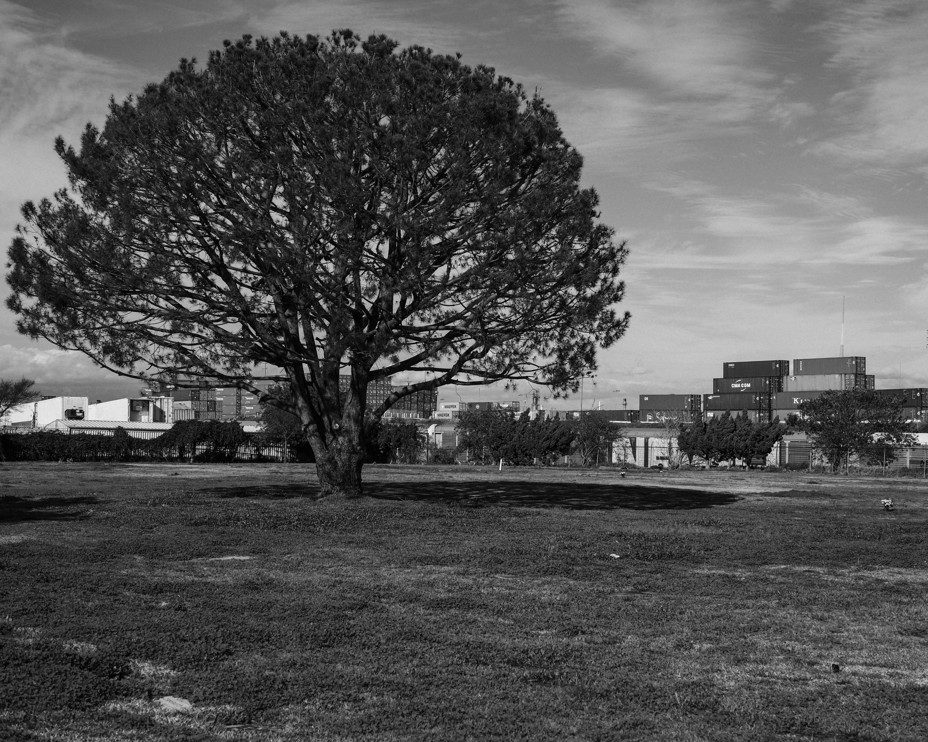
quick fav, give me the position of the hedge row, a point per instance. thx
(189, 440)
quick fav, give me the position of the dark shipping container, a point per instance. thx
(669, 402)
(826, 382)
(916, 398)
(792, 400)
(754, 369)
(838, 365)
(663, 416)
(735, 402)
(757, 385)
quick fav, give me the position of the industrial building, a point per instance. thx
(137, 410)
(45, 411)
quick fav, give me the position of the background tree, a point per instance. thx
(719, 444)
(324, 206)
(485, 434)
(593, 438)
(854, 422)
(490, 435)
(691, 440)
(280, 422)
(725, 438)
(14, 393)
(755, 440)
(401, 441)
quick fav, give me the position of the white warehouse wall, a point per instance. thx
(45, 411)
(114, 409)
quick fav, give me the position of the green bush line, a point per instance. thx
(188, 440)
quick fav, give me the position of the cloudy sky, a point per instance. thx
(763, 158)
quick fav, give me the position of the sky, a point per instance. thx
(763, 158)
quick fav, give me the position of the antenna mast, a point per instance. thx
(842, 325)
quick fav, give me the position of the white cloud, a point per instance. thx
(691, 50)
(47, 89)
(320, 17)
(839, 231)
(47, 364)
(44, 84)
(882, 45)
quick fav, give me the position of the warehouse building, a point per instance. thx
(45, 411)
(138, 410)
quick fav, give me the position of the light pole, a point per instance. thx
(582, 377)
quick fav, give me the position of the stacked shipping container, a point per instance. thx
(747, 387)
(837, 365)
(827, 382)
(194, 404)
(754, 369)
(662, 407)
(755, 385)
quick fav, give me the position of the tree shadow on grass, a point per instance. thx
(18, 509)
(506, 493)
(265, 491)
(568, 495)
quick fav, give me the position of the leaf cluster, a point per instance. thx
(14, 393)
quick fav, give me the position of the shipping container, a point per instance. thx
(757, 385)
(668, 416)
(736, 402)
(838, 365)
(791, 400)
(825, 382)
(669, 402)
(916, 398)
(754, 369)
(752, 415)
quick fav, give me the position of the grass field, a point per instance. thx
(460, 603)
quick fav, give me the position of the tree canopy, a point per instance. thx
(855, 422)
(324, 206)
(727, 438)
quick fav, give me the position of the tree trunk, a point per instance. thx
(339, 471)
(338, 464)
